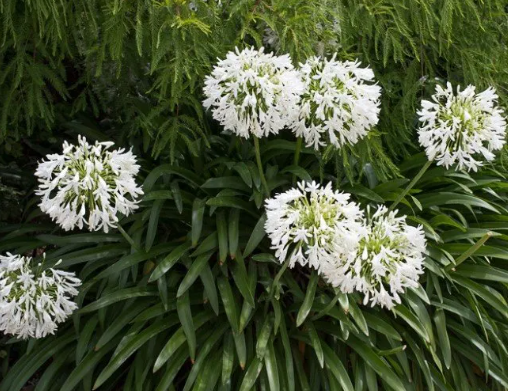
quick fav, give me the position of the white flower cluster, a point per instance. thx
(253, 92)
(88, 185)
(339, 104)
(388, 259)
(378, 256)
(33, 303)
(315, 222)
(325, 101)
(462, 129)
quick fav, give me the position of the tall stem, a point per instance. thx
(470, 251)
(260, 167)
(411, 184)
(278, 276)
(275, 282)
(127, 237)
(298, 150)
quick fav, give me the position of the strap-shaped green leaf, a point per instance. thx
(271, 368)
(183, 308)
(153, 223)
(263, 337)
(169, 261)
(228, 356)
(193, 273)
(208, 281)
(375, 362)
(25, 367)
(258, 233)
(308, 300)
(242, 281)
(127, 350)
(442, 335)
(222, 235)
(114, 297)
(233, 232)
(87, 365)
(198, 210)
(178, 338)
(166, 169)
(337, 368)
(228, 300)
(251, 375)
(227, 182)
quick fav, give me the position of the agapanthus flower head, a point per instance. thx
(388, 259)
(314, 223)
(253, 92)
(462, 129)
(33, 302)
(339, 105)
(87, 185)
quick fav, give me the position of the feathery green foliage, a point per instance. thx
(139, 65)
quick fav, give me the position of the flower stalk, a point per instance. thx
(296, 160)
(470, 251)
(260, 167)
(127, 237)
(411, 184)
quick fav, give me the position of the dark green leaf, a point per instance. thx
(309, 299)
(183, 308)
(233, 231)
(257, 235)
(198, 210)
(114, 297)
(169, 261)
(194, 271)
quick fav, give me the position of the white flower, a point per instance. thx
(339, 104)
(32, 303)
(314, 222)
(462, 129)
(88, 185)
(388, 259)
(253, 92)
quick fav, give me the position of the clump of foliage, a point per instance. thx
(196, 299)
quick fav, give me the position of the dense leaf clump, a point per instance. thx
(187, 292)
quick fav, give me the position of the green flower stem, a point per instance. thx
(278, 276)
(470, 251)
(274, 284)
(321, 169)
(411, 184)
(298, 150)
(338, 173)
(127, 237)
(328, 307)
(260, 167)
